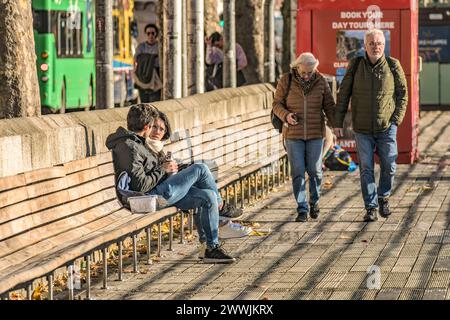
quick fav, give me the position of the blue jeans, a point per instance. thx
(305, 155)
(195, 187)
(385, 145)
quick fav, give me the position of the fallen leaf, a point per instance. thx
(327, 185)
(37, 292)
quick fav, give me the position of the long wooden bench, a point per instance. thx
(53, 216)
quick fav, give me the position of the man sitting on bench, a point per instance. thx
(138, 152)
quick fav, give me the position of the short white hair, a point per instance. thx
(373, 32)
(306, 59)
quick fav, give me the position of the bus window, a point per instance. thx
(69, 34)
(62, 44)
(78, 43)
(41, 21)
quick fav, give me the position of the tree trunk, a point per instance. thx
(288, 10)
(19, 88)
(250, 35)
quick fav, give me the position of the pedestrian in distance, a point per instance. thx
(378, 90)
(138, 151)
(146, 66)
(214, 60)
(302, 98)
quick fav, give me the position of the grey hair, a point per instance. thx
(306, 59)
(372, 32)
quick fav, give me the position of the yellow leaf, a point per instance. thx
(37, 292)
(260, 233)
(327, 185)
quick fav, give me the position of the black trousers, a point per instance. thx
(147, 95)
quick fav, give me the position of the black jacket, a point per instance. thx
(131, 154)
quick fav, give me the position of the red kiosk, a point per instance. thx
(334, 32)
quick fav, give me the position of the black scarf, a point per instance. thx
(306, 85)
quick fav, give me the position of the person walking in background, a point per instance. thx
(214, 60)
(146, 66)
(301, 99)
(378, 90)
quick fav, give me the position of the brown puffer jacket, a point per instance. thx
(310, 109)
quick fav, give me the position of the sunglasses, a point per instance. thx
(151, 33)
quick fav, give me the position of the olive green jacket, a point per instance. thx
(379, 95)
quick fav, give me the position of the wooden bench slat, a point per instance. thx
(13, 211)
(46, 187)
(13, 196)
(79, 165)
(44, 174)
(11, 182)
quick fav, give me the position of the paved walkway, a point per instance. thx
(327, 258)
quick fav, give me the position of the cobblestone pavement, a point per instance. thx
(327, 258)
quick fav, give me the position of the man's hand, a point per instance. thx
(338, 132)
(291, 119)
(170, 166)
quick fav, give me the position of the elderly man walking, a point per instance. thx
(378, 90)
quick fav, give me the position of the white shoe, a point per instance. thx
(201, 250)
(233, 230)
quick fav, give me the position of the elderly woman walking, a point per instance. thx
(302, 100)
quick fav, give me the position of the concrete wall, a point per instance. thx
(39, 142)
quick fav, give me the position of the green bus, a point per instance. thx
(64, 40)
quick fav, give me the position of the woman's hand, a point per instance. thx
(170, 166)
(292, 119)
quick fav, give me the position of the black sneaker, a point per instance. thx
(229, 212)
(302, 217)
(383, 204)
(314, 210)
(371, 215)
(217, 255)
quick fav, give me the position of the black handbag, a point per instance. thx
(276, 122)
